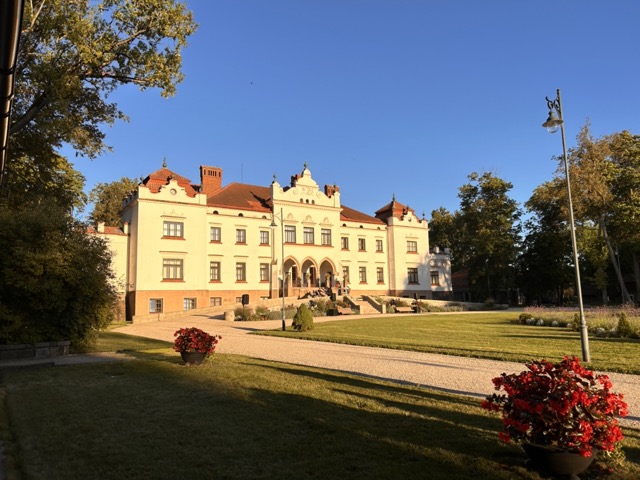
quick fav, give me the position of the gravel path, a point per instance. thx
(461, 375)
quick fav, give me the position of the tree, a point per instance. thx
(545, 261)
(443, 230)
(57, 282)
(489, 232)
(73, 55)
(107, 200)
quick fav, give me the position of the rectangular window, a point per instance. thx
(412, 273)
(289, 234)
(379, 246)
(172, 229)
(238, 299)
(241, 235)
(172, 269)
(362, 271)
(264, 272)
(215, 301)
(214, 271)
(188, 303)
(264, 237)
(362, 244)
(380, 274)
(241, 272)
(325, 233)
(155, 305)
(215, 235)
(344, 243)
(435, 278)
(308, 236)
(345, 274)
(412, 246)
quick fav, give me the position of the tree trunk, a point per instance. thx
(636, 274)
(623, 289)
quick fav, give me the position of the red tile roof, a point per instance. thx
(162, 177)
(243, 197)
(393, 209)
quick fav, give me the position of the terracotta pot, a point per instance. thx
(193, 358)
(556, 461)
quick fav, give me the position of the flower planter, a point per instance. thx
(556, 461)
(193, 358)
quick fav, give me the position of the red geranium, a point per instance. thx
(195, 340)
(558, 404)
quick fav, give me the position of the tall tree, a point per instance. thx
(107, 200)
(490, 234)
(73, 55)
(443, 231)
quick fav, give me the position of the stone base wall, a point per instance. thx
(37, 350)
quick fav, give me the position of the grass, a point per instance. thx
(494, 335)
(236, 417)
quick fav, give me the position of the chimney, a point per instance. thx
(329, 190)
(210, 179)
(125, 228)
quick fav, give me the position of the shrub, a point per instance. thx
(489, 303)
(524, 317)
(624, 326)
(303, 319)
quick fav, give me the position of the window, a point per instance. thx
(155, 305)
(264, 272)
(412, 246)
(241, 235)
(345, 274)
(241, 272)
(215, 301)
(289, 234)
(172, 269)
(238, 299)
(363, 274)
(412, 273)
(216, 234)
(214, 271)
(380, 274)
(344, 243)
(325, 233)
(188, 303)
(308, 236)
(362, 244)
(435, 278)
(379, 246)
(172, 229)
(264, 237)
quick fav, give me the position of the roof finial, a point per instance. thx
(274, 178)
(393, 199)
(306, 165)
(164, 162)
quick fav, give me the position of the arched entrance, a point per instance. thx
(328, 274)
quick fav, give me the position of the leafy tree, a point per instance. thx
(443, 230)
(107, 200)
(57, 282)
(546, 257)
(490, 234)
(73, 55)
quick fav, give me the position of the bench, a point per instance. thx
(404, 309)
(345, 311)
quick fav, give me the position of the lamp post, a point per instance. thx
(273, 226)
(555, 121)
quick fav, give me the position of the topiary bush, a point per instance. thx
(524, 317)
(303, 319)
(624, 326)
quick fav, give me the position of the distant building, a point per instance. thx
(198, 246)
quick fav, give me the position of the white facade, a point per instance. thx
(196, 246)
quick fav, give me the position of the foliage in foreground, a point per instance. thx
(357, 427)
(56, 281)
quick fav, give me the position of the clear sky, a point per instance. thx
(383, 97)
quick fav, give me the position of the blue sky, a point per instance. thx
(383, 97)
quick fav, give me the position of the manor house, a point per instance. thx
(185, 246)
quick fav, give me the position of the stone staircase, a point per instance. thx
(364, 307)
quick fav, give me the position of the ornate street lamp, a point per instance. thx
(273, 227)
(553, 123)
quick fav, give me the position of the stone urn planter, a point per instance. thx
(193, 358)
(556, 461)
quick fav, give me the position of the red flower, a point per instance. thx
(195, 340)
(560, 404)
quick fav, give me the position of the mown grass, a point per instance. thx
(493, 335)
(242, 418)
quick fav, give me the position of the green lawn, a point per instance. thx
(494, 335)
(242, 418)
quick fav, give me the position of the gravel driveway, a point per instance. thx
(461, 375)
